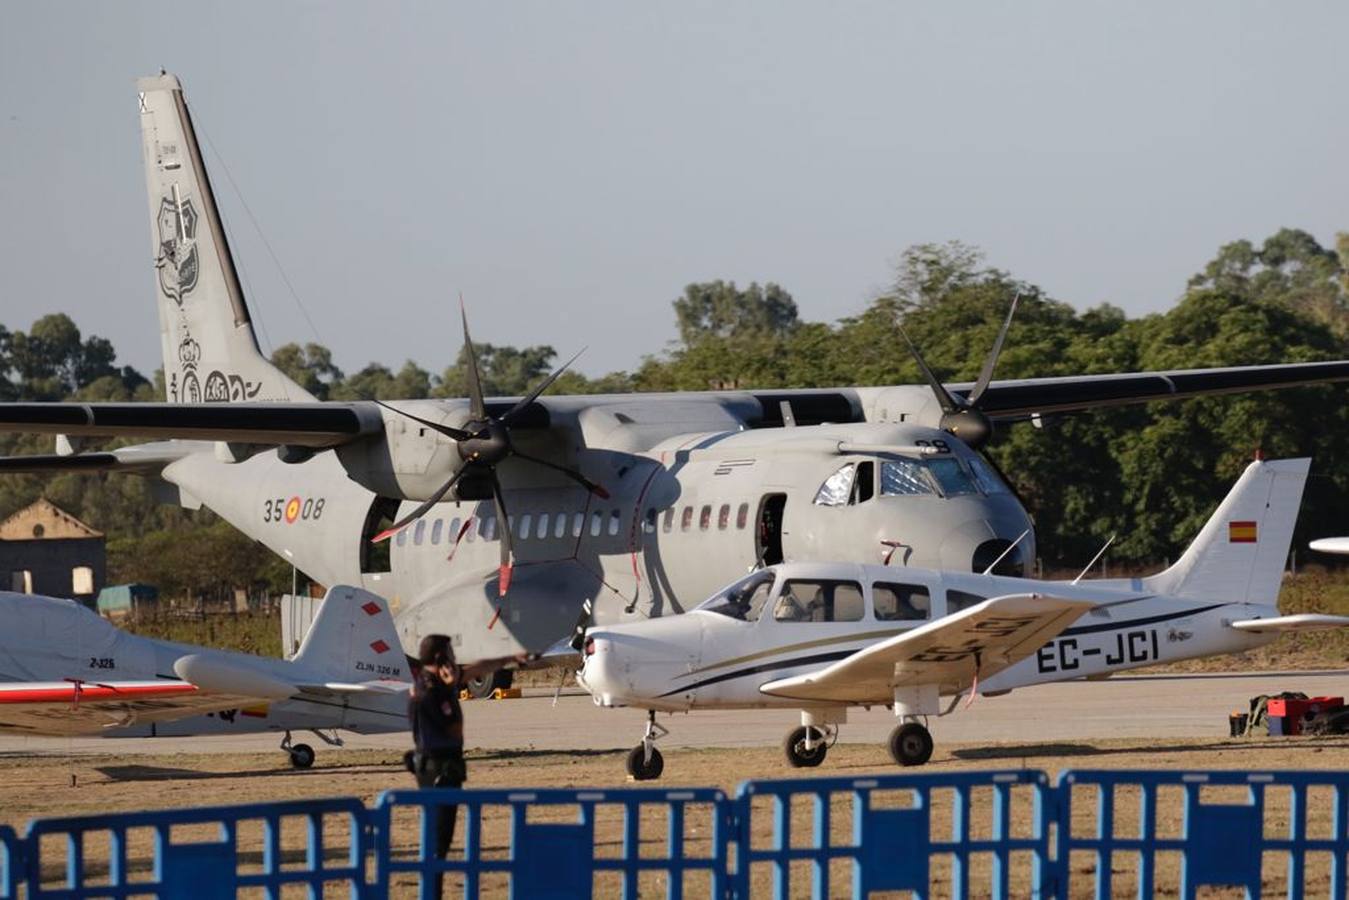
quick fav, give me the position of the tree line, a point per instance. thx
(1148, 474)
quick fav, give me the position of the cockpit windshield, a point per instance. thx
(743, 600)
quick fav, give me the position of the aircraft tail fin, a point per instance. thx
(353, 639)
(210, 351)
(1240, 552)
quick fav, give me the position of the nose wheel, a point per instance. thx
(911, 744)
(644, 761)
(805, 747)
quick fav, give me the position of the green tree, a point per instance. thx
(310, 366)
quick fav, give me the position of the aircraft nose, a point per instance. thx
(636, 663)
(978, 543)
(598, 668)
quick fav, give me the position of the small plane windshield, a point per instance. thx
(743, 600)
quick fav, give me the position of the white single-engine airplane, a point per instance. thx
(517, 511)
(826, 636)
(66, 671)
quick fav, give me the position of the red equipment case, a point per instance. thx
(1296, 712)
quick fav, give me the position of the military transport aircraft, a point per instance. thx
(65, 670)
(508, 514)
(843, 634)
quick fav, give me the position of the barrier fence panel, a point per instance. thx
(943, 834)
(318, 846)
(556, 843)
(11, 864)
(1271, 833)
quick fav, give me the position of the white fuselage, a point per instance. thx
(707, 659)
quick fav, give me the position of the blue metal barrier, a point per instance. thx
(11, 864)
(1232, 828)
(558, 843)
(901, 825)
(201, 853)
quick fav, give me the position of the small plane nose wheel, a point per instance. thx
(644, 761)
(911, 744)
(805, 747)
(301, 755)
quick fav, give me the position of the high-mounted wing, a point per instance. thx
(986, 638)
(74, 707)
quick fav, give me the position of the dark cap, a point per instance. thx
(435, 650)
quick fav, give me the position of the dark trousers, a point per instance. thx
(442, 772)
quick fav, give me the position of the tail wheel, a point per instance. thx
(301, 756)
(795, 747)
(643, 769)
(911, 744)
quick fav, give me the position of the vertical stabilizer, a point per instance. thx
(210, 351)
(1240, 553)
(353, 639)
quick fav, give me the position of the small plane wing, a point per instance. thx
(1299, 622)
(75, 707)
(988, 637)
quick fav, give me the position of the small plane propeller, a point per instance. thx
(483, 443)
(962, 416)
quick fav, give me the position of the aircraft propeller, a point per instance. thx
(962, 416)
(483, 443)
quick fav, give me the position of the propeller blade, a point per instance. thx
(986, 374)
(449, 431)
(944, 398)
(542, 386)
(419, 511)
(596, 489)
(477, 408)
(504, 528)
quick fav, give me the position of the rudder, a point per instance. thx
(211, 354)
(353, 639)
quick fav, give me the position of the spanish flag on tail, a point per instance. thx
(1241, 532)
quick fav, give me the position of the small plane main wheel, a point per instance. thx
(795, 747)
(301, 756)
(640, 768)
(481, 688)
(911, 744)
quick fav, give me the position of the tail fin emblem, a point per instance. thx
(379, 647)
(177, 263)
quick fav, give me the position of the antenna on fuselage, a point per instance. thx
(1099, 554)
(1010, 548)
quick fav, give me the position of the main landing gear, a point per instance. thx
(302, 755)
(911, 744)
(644, 761)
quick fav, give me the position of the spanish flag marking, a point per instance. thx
(1241, 532)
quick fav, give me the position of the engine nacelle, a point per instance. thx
(407, 460)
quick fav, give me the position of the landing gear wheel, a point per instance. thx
(481, 688)
(911, 744)
(301, 756)
(794, 745)
(643, 769)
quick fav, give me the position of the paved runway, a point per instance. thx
(1139, 707)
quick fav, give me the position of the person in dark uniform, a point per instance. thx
(437, 722)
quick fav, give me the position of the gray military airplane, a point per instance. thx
(66, 671)
(507, 514)
(821, 637)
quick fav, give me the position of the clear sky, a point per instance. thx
(570, 166)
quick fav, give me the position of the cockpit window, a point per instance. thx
(743, 600)
(953, 478)
(819, 601)
(988, 479)
(836, 488)
(901, 477)
(958, 600)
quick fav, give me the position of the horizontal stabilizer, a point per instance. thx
(1299, 622)
(1331, 545)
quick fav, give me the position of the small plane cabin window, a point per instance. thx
(668, 522)
(742, 516)
(524, 526)
(541, 530)
(649, 523)
(864, 485)
(724, 516)
(903, 477)
(901, 602)
(837, 487)
(819, 600)
(743, 600)
(560, 525)
(596, 523)
(952, 477)
(436, 528)
(577, 524)
(615, 520)
(958, 600)
(987, 478)
(686, 518)
(705, 518)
